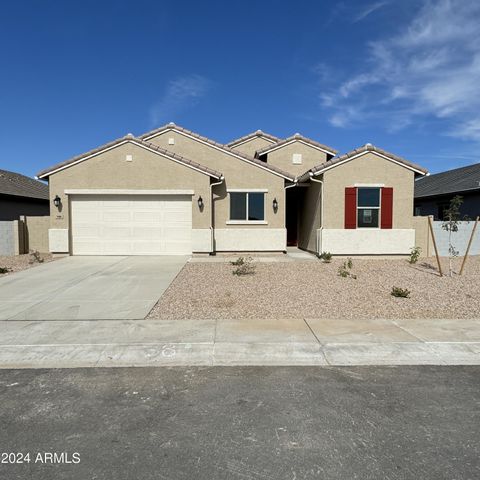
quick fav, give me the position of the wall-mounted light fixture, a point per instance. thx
(200, 203)
(275, 204)
(57, 201)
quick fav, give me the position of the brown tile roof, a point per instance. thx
(18, 185)
(130, 138)
(297, 136)
(231, 151)
(366, 148)
(257, 134)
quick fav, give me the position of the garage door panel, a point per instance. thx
(131, 225)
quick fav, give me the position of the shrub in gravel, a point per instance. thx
(414, 254)
(344, 270)
(244, 266)
(35, 257)
(4, 270)
(400, 292)
(326, 257)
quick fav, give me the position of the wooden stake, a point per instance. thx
(430, 224)
(469, 245)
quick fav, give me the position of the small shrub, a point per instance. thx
(35, 257)
(244, 266)
(239, 261)
(344, 270)
(400, 292)
(326, 257)
(414, 254)
(4, 270)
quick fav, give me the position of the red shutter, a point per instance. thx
(387, 207)
(350, 207)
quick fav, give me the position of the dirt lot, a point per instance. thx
(315, 290)
(21, 262)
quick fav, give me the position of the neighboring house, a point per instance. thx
(434, 192)
(21, 195)
(172, 191)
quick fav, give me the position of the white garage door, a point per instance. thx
(131, 224)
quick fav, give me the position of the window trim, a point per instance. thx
(379, 208)
(247, 221)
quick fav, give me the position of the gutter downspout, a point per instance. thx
(319, 238)
(212, 211)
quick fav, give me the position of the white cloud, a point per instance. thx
(431, 69)
(180, 94)
(369, 9)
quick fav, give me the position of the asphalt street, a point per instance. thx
(241, 423)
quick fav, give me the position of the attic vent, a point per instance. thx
(297, 158)
(171, 141)
(129, 158)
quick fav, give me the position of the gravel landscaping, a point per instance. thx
(18, 263)
(312, 289)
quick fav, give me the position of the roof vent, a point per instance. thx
(259, 132)
(368, 145)
(171, 123)
(297, 135)
(130, 135)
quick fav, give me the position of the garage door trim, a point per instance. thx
(102, 191)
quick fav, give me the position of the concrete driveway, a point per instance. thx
(88, 288)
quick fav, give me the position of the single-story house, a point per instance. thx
(434, 192)
(172, 191)
(21, 195)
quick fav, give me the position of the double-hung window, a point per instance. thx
(368, 207)
(247, 206)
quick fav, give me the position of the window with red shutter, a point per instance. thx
(350, 207)
(387, 207)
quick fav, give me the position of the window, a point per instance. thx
(247, 206)
(368, 207)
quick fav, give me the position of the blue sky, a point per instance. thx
(404, 75)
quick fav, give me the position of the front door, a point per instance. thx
(291, 217)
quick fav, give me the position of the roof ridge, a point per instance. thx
(257, 133)
(172, 126)
(297, 136)
(365, 148)
(128, 138)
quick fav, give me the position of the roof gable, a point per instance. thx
(457, 180)
(136, 141)
(257, 134)
(297, 138)
(218, 146)
(368, 148)
(18, 185)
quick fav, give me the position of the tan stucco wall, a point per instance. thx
(148, 170)
(253, 145)
(36, 233)
(282, 158)
(310, 217)
(238, 174)
(368, 169)
(423, 238)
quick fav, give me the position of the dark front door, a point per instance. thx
(291, 219)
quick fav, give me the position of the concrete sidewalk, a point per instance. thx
(120, 343)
